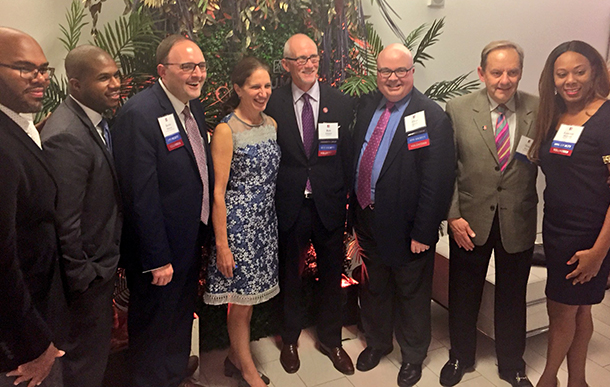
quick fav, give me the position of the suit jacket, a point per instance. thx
(89, 217)
(481, 187)
(329, 175)
(413, 190)
(161, 189)
(31, 298)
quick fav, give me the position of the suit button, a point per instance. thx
(499, 189)
(492, 208)
(497, 168)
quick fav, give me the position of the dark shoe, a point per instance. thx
(231, 371)
(516, 379)
(409, 374)
(340, 358)
(289, 358)
(192, 366)
(452, 372)
(369, 358)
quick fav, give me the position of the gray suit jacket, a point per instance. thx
(89, 217)
(481, 188)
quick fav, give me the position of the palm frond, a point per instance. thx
(359, 84)
(386, 11)
(53, 96)
(74, 18)
(414, 36)
(443, 91)
(429, 39)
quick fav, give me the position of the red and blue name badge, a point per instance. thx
(328, 136)
(523, 148)
(170, 131)
(566, 138)
(418, 139)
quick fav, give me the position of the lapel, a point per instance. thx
(293, 134)
(524, 121)
(19, 134)
(483, 124)
(80, 113)
(363, 122)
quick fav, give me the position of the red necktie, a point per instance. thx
(194, 136)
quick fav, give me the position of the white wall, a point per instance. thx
(537, 25)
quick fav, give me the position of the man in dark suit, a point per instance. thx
(314, 123)
(164, 166)
(31, 296)
(404, 175)
(77, 145)
(493, 209)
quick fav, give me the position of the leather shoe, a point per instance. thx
(516, 379)
(452, 372)
(409, 374)
(231, 371)
(289, 358)
(369, 358)
(340, 358)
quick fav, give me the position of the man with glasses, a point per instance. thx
(165, 173)
(404, 174)
(494, 208)
(32, 303)
(314, 122)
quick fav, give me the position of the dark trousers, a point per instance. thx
(394, 299)
(467, 272)
(88, 343)
(160, 323)
(328, 245)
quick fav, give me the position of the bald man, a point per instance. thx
(405, 163)
(76, 143)
(31, 298)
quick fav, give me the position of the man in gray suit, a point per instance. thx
(77, 145)
(493, 209)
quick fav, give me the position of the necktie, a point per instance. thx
(502, 138)
(368, 157)
(309, 130)
(106, 132)
(194, 136)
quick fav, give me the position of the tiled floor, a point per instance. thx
(317, 370)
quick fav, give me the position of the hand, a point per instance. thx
(40, 125)
(589, 262)
(162, 275)
(224, 261)
(462, 233)
(38, 369)
(417, 247)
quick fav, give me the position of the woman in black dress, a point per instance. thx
(572, 145)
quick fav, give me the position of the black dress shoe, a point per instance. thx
(452, 372)
(516, 379)
(231, 371)
(409, 374)
(289, 358)
(369, 358)
(340, 358)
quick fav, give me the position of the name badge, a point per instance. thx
(418, 139)
(415, 121)
(328, 131)
(327, 148)
(170, 131)
(567, 136)
(523, 148)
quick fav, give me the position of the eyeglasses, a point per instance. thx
(189, 67)
(400, 72)
(302, 60)
(31, 72)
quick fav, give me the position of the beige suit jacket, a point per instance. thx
(481, 188)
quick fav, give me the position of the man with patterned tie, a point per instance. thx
(313, 132)
(165, 173)
(493, 209)
(76, 142)
(404, 167)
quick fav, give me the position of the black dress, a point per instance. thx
(576, 199)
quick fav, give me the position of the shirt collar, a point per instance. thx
(510, 105)
(176, 103)
(397, 105)
(94, 116)
(21, 119)
(314, 92)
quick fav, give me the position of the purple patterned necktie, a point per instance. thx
(368, 157)
(502, 138)
(309, 130)
(194, 136)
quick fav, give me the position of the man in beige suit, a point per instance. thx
(493, 209)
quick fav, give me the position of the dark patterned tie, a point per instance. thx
(368, 157)
(309, 130)
(502, 138)
(106, 131)
(194, 136)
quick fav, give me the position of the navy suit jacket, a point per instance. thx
(31, 297)
(329, 175)
(161, 189)
(414, 188)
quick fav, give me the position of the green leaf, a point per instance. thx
(53, 96)
(74, 18)
(429, 39)
(443, 91)
(358, 85)
(414, 36)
